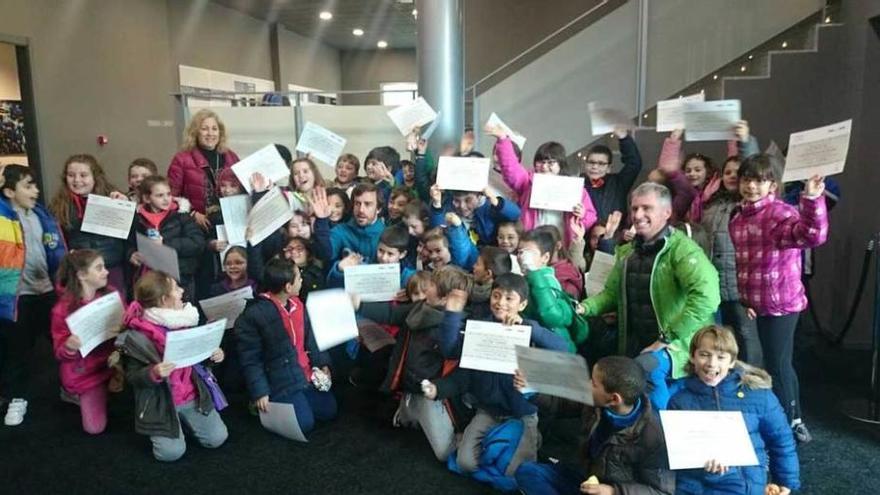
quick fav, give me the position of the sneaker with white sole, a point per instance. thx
(15, 412)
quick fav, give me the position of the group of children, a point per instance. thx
(463, 256)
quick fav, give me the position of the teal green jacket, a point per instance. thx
(684, 294)
(547, 304)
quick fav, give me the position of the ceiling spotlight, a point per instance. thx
(742, 68)
(645, 116)
(751, 57)
(828, 20)
(382, 44)
(715, 77)
(357, 32)
(325, 16)
(784, 44)
(415, 13)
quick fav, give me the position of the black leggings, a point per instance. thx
(733, 314)
(777, 341)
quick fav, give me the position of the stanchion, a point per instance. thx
(868, 410)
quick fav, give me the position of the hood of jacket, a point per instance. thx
(423, 316)
(741, 376)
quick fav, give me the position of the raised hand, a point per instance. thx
(741, 130)
(620, 131)
(577, 228)
(814, 187)
(612, 224)
(495, 130)
(453, 219)
(259, 182)
(675, 135)
(320, 206)
(491, 195)
(456, 300)
(436, 196)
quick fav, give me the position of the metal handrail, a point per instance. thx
(536, 45)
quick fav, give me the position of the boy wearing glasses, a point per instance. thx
(609, 191)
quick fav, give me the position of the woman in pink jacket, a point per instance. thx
(549, 159)
(81, 279)
(194, 170)
(768, 236)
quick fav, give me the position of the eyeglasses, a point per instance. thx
(598, 164)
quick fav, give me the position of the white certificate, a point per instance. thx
(819, 151)
(268, 215)
(332, 317)
(158, 256)
(456, 173)
(600, 268)
(556, 192)
(426, 134)
(490, 346)
(235, 211)
(266, 161)
(560, 374)
(194, 345)
(373, 283)
(280, 418)
(411, 115)
(516, 137)
(694, 437)
(711, 120)
(670, 113)
(320, 143)
(97, 321)
(227, 306)
(110, 217)
(604, 119)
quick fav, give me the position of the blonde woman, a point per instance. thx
(194, 170)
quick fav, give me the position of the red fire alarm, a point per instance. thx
(102, 140)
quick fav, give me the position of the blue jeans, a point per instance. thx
(534, 478)
(658, 372)
(310, 405)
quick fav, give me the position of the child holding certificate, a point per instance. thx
(719, 382)
(160, 219)
(168, 398)
(769, 237)
(549, 159)
(496, 399)
(279, 357)
(81, 279)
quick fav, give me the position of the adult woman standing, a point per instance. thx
(194, 170)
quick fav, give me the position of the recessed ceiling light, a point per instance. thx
(357, 32)
(382, 44)
(415, 13)
(325, 16)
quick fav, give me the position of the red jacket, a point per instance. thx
(570, 278)
(78, 374)
(187, 176)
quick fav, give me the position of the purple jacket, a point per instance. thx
(187, 176)
(520, 181)
(768, 236)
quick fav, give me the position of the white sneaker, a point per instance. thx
(15, 413)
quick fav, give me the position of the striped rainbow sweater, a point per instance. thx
(12, 253)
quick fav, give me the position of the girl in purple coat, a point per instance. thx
(768, 236)
(82, 278)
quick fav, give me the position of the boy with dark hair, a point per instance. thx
(548, 303)
(496, 400)
(492, 263)
(480, 212)
(609, 191)
(623, 445)
(416, 355)
(358, 235)
(392, 248)
(31, 249)
(279, 357)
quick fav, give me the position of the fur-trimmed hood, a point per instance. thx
(752, 377)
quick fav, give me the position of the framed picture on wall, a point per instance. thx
(12, 140)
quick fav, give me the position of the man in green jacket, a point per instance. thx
(663, 288)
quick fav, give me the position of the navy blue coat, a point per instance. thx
(268, 359)
(749, 391)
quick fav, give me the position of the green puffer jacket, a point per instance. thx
(684, 293)
(548, 305)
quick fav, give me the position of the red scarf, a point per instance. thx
(79, 202)
(294, 324)
(597, 183)
(155, 219)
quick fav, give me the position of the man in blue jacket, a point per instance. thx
(359, 235)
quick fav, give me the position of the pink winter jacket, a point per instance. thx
(768, 236)
(78, 374)
(519, 180)
(183, 389)
(671, 159)
(186, 176)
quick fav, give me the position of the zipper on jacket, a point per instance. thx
(666, 243)
(717, 398)
(144, 410)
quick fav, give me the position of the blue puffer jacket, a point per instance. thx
(748, 390)
(268, 359)
(485, 218)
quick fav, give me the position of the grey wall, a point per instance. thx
(204, 34)
(91, 78)
(367, 69)
(307, 62)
